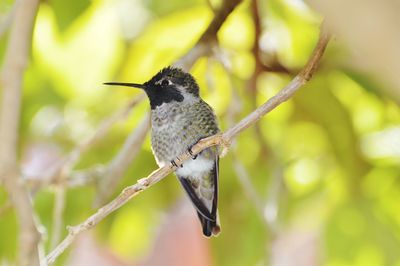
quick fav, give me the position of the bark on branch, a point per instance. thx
(223, 139)
(11, 78)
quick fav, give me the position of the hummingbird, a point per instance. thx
(179, 119)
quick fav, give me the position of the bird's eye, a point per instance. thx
(165, 82)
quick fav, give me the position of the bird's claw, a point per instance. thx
(175, 164)
(191, 154)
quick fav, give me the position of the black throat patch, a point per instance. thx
(159, 96)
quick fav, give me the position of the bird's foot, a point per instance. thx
(175, 164)
(191, 153)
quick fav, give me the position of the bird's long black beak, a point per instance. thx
(134, 85)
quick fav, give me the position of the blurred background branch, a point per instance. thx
(209, 38)
(121, 161)
(62, 169)
(299, 80)
(11, 79)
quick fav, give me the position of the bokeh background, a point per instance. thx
(316, 182)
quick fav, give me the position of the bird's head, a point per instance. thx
(170, 84)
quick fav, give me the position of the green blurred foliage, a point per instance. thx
(66, 15)
(334, 147)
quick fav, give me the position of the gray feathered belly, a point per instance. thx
(171, 133)
(175, 128)
(169, 141)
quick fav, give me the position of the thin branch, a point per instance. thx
(271, 208)
(205, 43)
(58, 214)
(273, 64)
(127, 194)
(286, 93)
(104, 128)
(122, 160)
(226, 9)
(256, 51)
(222, 139)
(257, 71)
(64, 166)
(11, 76)
(85, 177)
(240, 170)
(248, 187)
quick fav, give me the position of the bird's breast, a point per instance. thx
(176, 127)
(168, 139)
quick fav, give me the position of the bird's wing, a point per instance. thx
(203, 190)
(197, 202)
(215, 175)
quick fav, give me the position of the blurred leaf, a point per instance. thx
(67, 60)
(365, 81)
(328, 112)
(355, 228)
(164, 40)
(239, 21)
(66, 12)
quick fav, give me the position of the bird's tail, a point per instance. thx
(210, 227)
